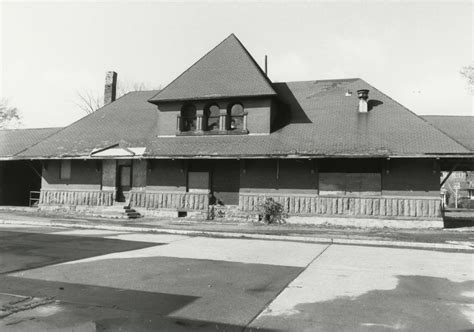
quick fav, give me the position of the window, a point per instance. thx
(236, 117)
(198, 182)
(212, 114)
(65, 170)
(188, 118)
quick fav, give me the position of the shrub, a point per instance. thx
(272, 212)
(464, 203)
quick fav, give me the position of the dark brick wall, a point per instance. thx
(109, 174)
(225, 178)
(411, 177)
(85, 175)
(349, 165)
(226, 181)
(166, 175)
(406, 177)
(293, 176)
(258, 118)
(139, 173)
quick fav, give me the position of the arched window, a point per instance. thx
(236, 117)
(188, 118)
(212, 114)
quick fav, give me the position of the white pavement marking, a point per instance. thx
(354, 270)
(280, 253)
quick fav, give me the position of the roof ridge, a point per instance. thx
(189, 68)
(418, 116)
(70, 125)
(265, 76)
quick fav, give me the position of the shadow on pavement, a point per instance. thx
(98, 308)
(418, 303)
(22, 251)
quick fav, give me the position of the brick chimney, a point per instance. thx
(110, 87)
(363, 97)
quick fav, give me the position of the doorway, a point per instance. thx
(124, 180)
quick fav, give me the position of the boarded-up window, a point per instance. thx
(65, 170)
(347, 183)
(332, 183)
(198, 181)
(363, 183)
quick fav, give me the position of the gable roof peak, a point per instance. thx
(227, 70)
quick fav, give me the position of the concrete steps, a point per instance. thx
(131, 213)
(120, 211)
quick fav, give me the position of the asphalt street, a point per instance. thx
(57, 279)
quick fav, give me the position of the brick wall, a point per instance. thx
(411, 177)
(139, 174)
(226, 181)
(294, 176)
(85, 175)
(109, 174)
(258, 118)
(166, 175)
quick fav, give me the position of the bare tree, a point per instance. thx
(9, 116)
(125, 87)
(468, 73)
(89, 102)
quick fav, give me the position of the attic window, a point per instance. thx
(236, 117)
(188, 118)
(212, 114)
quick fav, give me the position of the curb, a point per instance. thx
(308, 239)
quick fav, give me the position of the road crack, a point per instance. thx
(24, 304)
(246, 328)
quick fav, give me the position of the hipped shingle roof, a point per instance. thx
(14, 141)
(460, 128)
(324, 122)
(324, 119)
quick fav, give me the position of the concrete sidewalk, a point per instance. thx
(447, 239)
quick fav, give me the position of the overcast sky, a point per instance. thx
(411, 51)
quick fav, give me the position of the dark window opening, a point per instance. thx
(236, 117)
(212, 114)
(188, 118)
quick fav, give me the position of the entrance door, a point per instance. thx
(124, 182)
